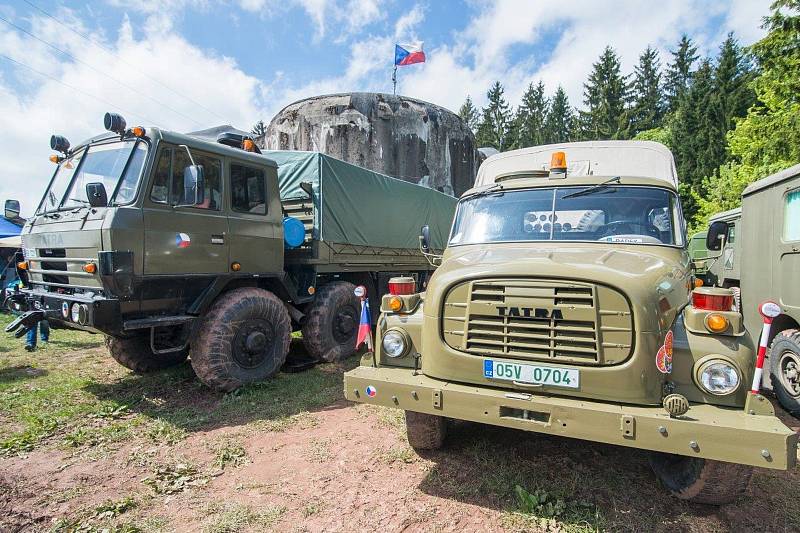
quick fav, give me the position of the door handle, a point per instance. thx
(218, 239)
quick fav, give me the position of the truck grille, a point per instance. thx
(541, 320)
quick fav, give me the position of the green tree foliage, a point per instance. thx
(679, 72)
(469, 114)
(768, 138)
(495, 127)
(560, 122)
(648, 101)
(606, 97)
(531, 117)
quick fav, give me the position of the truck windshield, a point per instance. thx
(103, 163)
(615, 214)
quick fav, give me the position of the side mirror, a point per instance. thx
(96, 194)
(307, 188)
(425, 238)
(716, 233)
(12, 209)
(194, 185)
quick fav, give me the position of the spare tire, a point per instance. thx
(331, 326)
(701, 480)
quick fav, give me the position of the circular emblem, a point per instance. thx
(360, 291)
(769, 309)
(371, 391)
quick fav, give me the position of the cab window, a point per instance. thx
(248, 190)
(168, 179)
(731, 237)
(791, 217)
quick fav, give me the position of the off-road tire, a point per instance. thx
(782, 344)
(701, 480)
(334, 306)
(222, 357)
(425, 432)
(135, 354)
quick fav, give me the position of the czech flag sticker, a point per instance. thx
(371, 391)
(182, 240)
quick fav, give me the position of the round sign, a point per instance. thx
(360, 291)
(769, 309)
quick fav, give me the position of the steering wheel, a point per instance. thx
(622, 227)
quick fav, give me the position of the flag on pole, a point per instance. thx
(365, 326)
(408, 54)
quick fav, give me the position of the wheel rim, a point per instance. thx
(253, 343)
(790, 372)
(344, 323)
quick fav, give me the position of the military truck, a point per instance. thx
(563, 305)
(170, 244)
(762, 263)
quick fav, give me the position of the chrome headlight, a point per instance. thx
(718, 377)
(75, 312)
(395, 343)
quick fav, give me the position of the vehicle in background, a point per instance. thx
(758, 247)
(563, 304)
(698, 253)
(170, 244)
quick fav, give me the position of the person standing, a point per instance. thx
(43, 327)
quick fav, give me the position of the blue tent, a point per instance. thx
(8, 228)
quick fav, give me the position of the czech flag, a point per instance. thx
(365, 326)
(408, 54)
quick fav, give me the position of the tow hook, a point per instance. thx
(25, 322)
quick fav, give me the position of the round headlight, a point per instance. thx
(395, 344)
(718, 377)
(75, 312)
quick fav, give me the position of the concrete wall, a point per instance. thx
(399, 136)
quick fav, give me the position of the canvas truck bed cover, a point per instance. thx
(356, 206)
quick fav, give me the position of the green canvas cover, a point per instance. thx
(353, 205)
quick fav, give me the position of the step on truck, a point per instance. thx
(564, 305)
(174, 245)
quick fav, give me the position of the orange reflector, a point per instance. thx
(558, 161)
(54, 158)
(312, 290)
(22, 265)
(249, 145)
(698, 282)
(138, 131)
(716, 323)
(90, 268)
(395, 303)
(236, 267)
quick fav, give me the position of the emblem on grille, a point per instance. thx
(529, 312)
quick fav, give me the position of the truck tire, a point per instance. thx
(243, 338)
(135, 354)
(784, 366)
(701, 480)
(331, 326)
(425, 432)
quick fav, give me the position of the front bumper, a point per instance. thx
(707, 431)
(102, 314)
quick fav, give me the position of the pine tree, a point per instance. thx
(531, 117)
(495, 125)
(732, 77)
(259, 129)
(606, 96)
(560, 123)
(648, 101)
(679, 72)
(469, 114)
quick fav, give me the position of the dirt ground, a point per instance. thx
(87, 446)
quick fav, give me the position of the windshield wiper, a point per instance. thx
(592, 189)
(80, 200)
(494, 188)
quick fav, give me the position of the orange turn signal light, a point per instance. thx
(55, 159)
(698, 282)
(236, 267)
(248, 145)
(138, 131)
(395, 303)
(716, 323)
(558, 161)
(22, 265)
(89, 268)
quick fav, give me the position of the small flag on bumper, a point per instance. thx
(365, 326)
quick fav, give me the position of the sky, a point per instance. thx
(186, 65)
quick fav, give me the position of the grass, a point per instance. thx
(233, 518)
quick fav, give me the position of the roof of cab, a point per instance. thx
(602, 158)
(726, 215)
(774, 179)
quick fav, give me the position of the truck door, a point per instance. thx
(256, 236)
(185, 239)
(788, 279)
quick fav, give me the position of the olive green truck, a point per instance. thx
(171, 244)
(564, 305)
(755, 251)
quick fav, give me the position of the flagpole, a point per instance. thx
(394, 81)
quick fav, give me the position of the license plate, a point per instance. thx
(534, 374)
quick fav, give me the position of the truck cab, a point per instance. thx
(564, 304)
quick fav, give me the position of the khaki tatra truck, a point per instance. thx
(757, 254)
(171, 244)
(564, 304)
